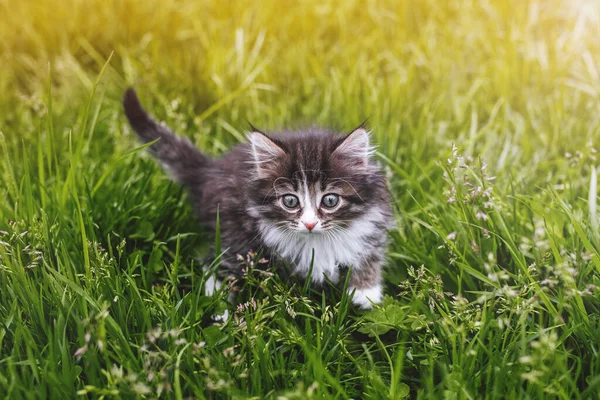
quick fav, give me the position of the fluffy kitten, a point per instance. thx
(287, 195)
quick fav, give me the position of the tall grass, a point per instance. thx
(487, 117)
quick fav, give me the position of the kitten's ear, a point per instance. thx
(264, 152)
(356, 146)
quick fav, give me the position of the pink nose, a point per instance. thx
(310, 225)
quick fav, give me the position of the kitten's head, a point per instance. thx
(314, 181)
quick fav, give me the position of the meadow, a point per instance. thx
(487, 119)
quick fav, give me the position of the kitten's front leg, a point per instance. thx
(213, 284)
(365, 282)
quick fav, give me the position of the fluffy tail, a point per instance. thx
(177, 154)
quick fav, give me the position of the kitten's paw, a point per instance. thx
(211, 287)
(364, 298)
(221, 317)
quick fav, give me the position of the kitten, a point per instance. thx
(287, 195)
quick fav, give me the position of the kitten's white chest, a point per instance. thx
(324, 256)
(326, 252)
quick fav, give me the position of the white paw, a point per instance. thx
(212, 285)
(221, 317)
(364, 298)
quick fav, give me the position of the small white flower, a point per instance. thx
(482, 216)
(525, 359)
(141, 388)
(80, 351)
(116, 372)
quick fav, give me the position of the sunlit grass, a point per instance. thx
(487, 117)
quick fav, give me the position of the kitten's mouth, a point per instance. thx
(308, 233)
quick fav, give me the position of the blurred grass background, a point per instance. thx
(96, 241)
(398, 62)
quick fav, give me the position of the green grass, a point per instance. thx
(487, 117)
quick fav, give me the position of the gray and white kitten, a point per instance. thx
(288, 195)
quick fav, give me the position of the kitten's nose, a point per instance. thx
(310, 225)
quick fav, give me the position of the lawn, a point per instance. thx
(487, 119)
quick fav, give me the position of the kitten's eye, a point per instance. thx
(290, 201)
(330, 200)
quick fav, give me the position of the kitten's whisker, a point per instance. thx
(338, 224)
(349, 184)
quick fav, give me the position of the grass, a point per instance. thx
(487, 117)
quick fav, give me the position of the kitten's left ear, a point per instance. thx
(356, 146)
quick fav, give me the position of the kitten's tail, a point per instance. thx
(177, 154)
